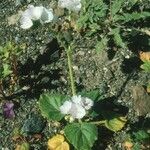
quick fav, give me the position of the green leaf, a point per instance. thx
(49, 105)
(81, 135)
(141, 135)
(115, 124)
(146, 66)
(92, 14)
(93, 95)
(117, 38)
(132, 2)
(6, 70)
(126, 17)
(101, 45)
(136, 146)
(116, 6)
(23, 146)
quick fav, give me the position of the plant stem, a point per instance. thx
(69, 54)
(98, 122)
(110, 5)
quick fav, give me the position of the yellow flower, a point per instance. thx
(58, 143)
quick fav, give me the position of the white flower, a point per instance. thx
(65, 108)
(76, 99)
(26, 23)
(35, 13)
(87, 103)
(76, 107)
(77, 111)
(83, 101)
(73, 5)
(47, 15)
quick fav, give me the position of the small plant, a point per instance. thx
(78, 116)
(112, 21)
(137, 139)
(75, 112)
(80, 127)
(8, 68)
(146, 66)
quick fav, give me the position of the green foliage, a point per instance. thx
(94, 94)
(141, 135)
(6, 70)
(116, 6)
(92, 14)
(111, 21)
(81, 135)
(146, 66)
(127, 17)
(49, 105)
(8, 55)
(117, 37)
(102, 44)
(136, 146)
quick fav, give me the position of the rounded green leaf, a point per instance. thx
(81, 135)
(49, 105)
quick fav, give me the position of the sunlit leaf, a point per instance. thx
(115, 124)
(146, 66)
(6, 70)
(58, 143)
(117, 37)
(116, 6)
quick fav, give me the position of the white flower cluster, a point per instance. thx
(76, 107)
(46, 15)
(35, 13)
(73, 5)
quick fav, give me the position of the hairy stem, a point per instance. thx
(98, 122)
(69, 54)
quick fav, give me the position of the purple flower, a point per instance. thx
(8, 110)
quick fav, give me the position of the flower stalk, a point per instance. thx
(98, 122)
(69, 54)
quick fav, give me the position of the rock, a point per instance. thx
(14, 18)
(141, 103)
(33, 124)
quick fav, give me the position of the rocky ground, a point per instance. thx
(116, 73)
